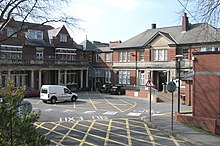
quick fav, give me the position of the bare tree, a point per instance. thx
(38, 11)
(203, 10)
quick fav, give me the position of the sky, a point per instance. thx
(113, 20)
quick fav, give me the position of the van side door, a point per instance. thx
(67, 94)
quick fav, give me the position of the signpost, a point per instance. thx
(150, 85)
(171, 87)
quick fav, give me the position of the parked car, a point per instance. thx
(118, 89)
(105, 88)
(31, 92)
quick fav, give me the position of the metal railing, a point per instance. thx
(140, 88)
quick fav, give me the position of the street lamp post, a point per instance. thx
(135, 55)
(179, 58)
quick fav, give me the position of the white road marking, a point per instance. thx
(110, 113)
(48, 110)
(65, 111)
(89, 112)
(134, 114)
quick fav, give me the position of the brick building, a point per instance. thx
(152, 53)
(39, 54)
(206, 95)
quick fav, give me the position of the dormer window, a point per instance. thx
(63, 38)
(11, 32)
(35, 34)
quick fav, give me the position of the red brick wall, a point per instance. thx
(206, 85)
(206, 96)
(207, 124)
(171, 53)
(147, 55)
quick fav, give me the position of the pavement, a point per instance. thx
(192, 135)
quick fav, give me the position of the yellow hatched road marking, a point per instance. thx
(113, 105)
(79, 140)
(128, 133)
(56, 125)
(87, 133)
(150, 135)
(108, 131)
(92, 103)
(174, 140)
(68, 132)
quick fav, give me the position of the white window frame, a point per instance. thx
(124, 77)
(142, 55)
(35, 34)
(160, 54)
(39, 54)
(204, 49)
(63, 38)
(107, 57)
(124, 56)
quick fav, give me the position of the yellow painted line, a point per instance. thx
(56, 142)
(126, 102)
(92, 103)
(113, 105)
(174, 140)
(38, 125)
(79, 140)
(128, 133)
(86, 134)
(39, 101)
(56, 125)
(135, 121)
(142, 140)
(150, 135)
(108, 132)
(68, 133)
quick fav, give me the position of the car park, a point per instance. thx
(118, 89)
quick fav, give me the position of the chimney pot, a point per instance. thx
(153, 25)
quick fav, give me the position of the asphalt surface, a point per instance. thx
(102, 119)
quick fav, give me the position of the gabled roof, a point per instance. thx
(88, 46)
(197, 33)
(53, 32)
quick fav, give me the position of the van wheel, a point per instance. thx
(53, 100)
(44, 101)
(73, 99)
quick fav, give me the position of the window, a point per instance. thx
(35, 34)
(124, 77)
(11, 52)
(142, 78)
(11, 31)
(63, 38)
(98, 58)
(108, 76)
(141, 55)
(124, 56)
(160, 55)
(185, 53)
(39, 55)
(203, 49)
(107, 57)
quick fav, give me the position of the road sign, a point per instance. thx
(171, 87)
(149, 83)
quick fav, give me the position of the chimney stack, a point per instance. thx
(153, 26)
(185, 22)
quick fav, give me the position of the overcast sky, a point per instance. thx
(112, 20)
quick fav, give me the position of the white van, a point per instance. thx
(55, 93)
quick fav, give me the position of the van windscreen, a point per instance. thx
(43, 90)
